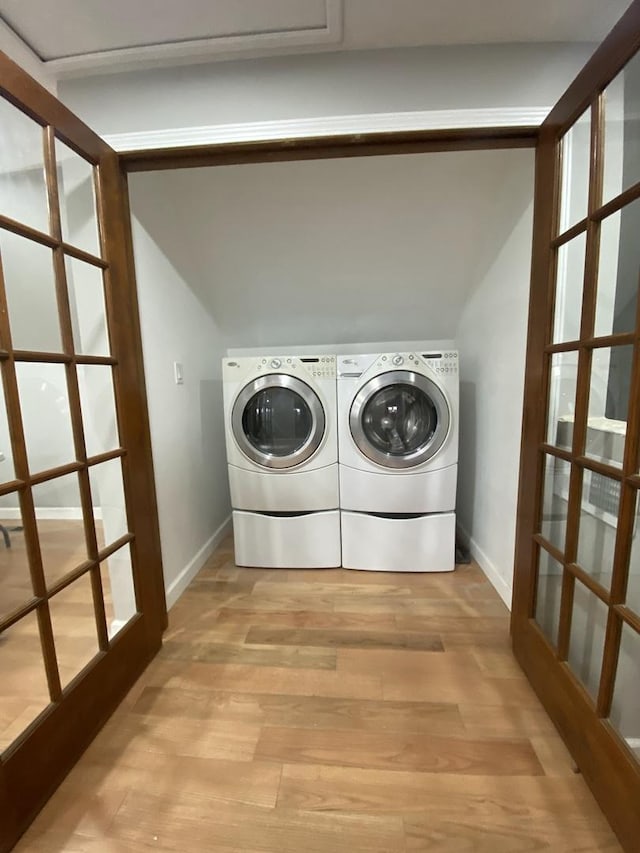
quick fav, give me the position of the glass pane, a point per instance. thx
(98, 408)
(44, 402)
(109, 508)
(569, 281)
(60, 526)
(7, 469)
(23, 188)
(277, 421)
(622, 131)
(548, 595)
(618, 272)
(31, 294)
(562, 399)
(88, 312)
(625, 707)
(598, 525)
(554, 501)
(118, 590)
(399, 419)
(24, 692)
(609, 387)
(586, 642)
(15, 580)
(576, 147)
(633, 586)
(74, 627)
(77, 200)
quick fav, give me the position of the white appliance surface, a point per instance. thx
(371, 491)
(314, 489)
(355, 371)
(319, 376)
(309, 541)
(425, 543)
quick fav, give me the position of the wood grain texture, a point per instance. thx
(349, 639)
(224, 746)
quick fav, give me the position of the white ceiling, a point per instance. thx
(72, 36)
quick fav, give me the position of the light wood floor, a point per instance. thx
(326, 711)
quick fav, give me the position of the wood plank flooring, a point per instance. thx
(327, 711)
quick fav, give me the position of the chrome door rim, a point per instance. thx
(420, 454)
(316, 433)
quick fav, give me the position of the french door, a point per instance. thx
(81, 598)
(576, 617)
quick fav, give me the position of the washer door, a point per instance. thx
(278, 421)
(399, 419)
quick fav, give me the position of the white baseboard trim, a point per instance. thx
(50, 513)
(488, 567)
(345, 125)
(633, 742)
(182, 581)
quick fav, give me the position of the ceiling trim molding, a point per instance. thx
(20, 52)
(203, 50)
(262, 131)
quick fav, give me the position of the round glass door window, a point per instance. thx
(400, 419)
(278, 421)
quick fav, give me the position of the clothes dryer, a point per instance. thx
(398, 455)
(281, 439)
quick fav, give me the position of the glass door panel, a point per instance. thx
(617, 287)
(23, 185)
(609, 387)
(548, 595)
(74, 628)
(622, 131)
(88, 310)
(118, 590)
(77, 200)
(576, 153)
(555, 503)
(625, 705)
(30, 287)
(16, 590)
(569, 282)
(598, 523)
(562, 399)
(586, 643)
(24, 693)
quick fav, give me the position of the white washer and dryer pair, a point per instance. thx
(361, 473)
(398, 460)
(282, 454)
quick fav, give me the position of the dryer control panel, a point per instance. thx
(442, 362)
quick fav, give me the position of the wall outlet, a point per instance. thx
(177, 373)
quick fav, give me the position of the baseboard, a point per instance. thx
(178, 586)
(486, 564)
(50, 513)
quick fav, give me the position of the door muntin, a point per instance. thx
(278, 421)
(399, 419)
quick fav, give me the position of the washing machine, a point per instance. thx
(281, 438)
(398, 455)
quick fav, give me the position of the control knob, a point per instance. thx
(398, 360)
(276, 363)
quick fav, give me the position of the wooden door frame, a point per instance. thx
(608, 767)
(35, 764)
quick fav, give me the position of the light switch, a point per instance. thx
(177, 372)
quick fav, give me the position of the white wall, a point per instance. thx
(355, 82)
(334, 251)
(491, 338)
(187, 428)
(18, 51)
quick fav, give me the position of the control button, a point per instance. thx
(288, 361)
(398, 359)
(264, 360)
(275, 363)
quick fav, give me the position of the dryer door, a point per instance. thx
(400, 419)
(278, 421)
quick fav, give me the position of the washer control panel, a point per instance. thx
(316, 366)
(442, 362)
